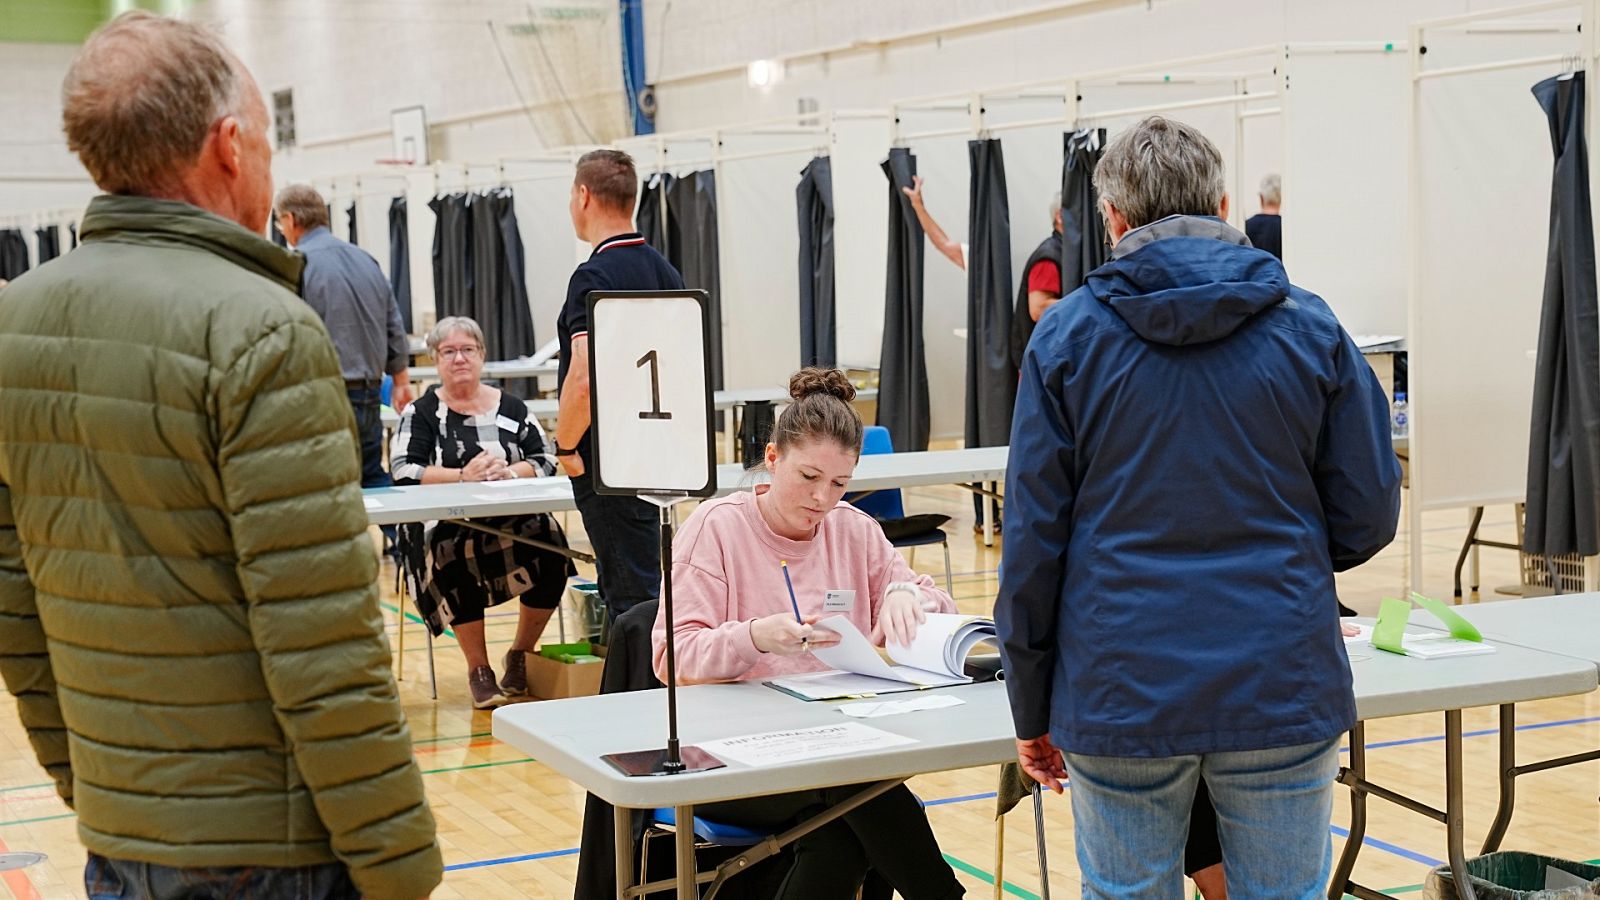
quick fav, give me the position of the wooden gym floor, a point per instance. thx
(509, 826)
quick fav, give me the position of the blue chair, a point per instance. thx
(888, 508)
(664, 821)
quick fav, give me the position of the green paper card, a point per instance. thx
(1390, 631)
(1459, 626)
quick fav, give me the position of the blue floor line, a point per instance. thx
(1390, 848)
(504, 860)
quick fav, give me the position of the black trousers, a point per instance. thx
(626, 535)
(888, 834)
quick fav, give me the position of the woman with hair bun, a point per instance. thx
(735, 622)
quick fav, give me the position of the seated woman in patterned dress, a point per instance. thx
(464, 430)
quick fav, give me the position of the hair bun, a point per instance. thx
(821, 381)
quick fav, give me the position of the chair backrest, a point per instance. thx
(878, 504)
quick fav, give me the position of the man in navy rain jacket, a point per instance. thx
(1198, 447)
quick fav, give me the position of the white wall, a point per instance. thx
(36, 171)
(688, 40)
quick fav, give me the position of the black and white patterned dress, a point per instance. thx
(455, 572)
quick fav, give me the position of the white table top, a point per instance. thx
(419, 503)
(508, 368)
(1567, 624)
(571, 735)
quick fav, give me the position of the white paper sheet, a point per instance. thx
(873, 709)
(775, 748)
(854, 653)
(942, 643)
(839, 685)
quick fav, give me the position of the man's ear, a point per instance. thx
(1222, 213)
(227, 143)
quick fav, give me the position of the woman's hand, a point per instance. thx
(482, 468)
(898, 618)
(781, 634)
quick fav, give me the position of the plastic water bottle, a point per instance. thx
(1399, 419)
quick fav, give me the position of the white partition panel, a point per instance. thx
(860, 236)
(942, 163)
(1344, 132)
(1482, 182)
(758, 233)
(1033, 177)
(551, 250)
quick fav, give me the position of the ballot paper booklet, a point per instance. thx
(935, 658)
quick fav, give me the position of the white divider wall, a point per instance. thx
(860, 236)
(1344, 134)
(1481, 172)
(759, 253)
(542, 190)
(946, 174)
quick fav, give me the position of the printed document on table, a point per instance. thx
(775, 748)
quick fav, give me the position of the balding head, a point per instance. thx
(160, 107)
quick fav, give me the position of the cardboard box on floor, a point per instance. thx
(550, 679)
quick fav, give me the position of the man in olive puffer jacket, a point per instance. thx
(188, 608)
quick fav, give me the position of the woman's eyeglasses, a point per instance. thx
(461, 352)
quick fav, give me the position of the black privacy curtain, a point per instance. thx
(479, 271)
(813, 199)
(1083, 231)
(991, 379)
(400, 260)
(903, 372)
(13, 254)
(1563, 511)
(350, 216)
(678, 216)
(48, 241)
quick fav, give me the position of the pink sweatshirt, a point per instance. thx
(725, 573)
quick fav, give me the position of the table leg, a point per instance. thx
(1455, 816)
(1508, 779)
(1353, 775)
(622, 837)
(686, 871)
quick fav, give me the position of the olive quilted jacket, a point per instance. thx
(188, 607)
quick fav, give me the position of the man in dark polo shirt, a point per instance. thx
(623, 530)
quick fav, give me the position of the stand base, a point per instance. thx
(635, 763)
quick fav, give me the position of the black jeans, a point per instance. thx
(626, 535)
(116, 879)
(888, 834)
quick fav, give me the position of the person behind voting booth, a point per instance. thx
(625, 531)
(463, 430)
(1198, 447)
(735, 622)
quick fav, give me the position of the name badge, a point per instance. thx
(507, 424)
(838, 601)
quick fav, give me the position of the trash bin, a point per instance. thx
(591, 611)
(1515, 875)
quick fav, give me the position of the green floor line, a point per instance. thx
(37, 819)
(987, 878)
(424, 648)
(487, 765)
(413, 617)
(27, 787)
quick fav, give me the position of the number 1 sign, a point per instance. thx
(650, 393)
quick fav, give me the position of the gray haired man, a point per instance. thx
(1197, 447)
(188, 602)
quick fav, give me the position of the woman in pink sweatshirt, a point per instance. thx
(735, 623)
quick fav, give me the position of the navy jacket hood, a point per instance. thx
(1188, 280)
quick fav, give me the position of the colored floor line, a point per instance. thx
(459, 737)
(413, 617)
(28, 787)
(988, 878)
(1482, 732)
(548, 854)
(1387, 847)
(487, 765)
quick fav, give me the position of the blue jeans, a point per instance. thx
(116, 879)
(1273, 806)
(366, 403)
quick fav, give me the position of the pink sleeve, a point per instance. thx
(888, 566)
(708, 647)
